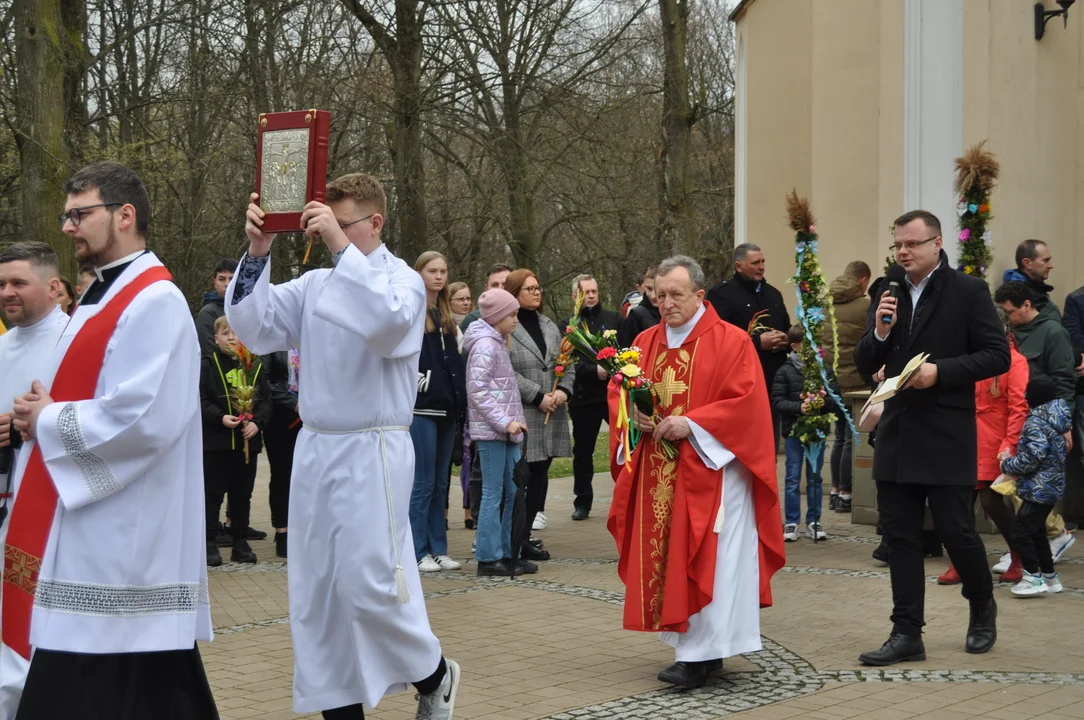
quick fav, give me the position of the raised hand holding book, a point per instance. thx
(893, 385)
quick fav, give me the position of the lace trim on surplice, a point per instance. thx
(119, 600)
(99, 479)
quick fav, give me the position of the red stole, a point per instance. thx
(663, 512)
(35, 506)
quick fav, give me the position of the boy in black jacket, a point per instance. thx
(224, 466)
(787, 388)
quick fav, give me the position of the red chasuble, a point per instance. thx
(35, 506)
(663, 511)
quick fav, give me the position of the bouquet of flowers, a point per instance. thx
(244, 393)
(623, 367)
(560, 368)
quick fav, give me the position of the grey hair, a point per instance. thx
(742, 251)
(579, 279)
(40, 256)
(696, 273)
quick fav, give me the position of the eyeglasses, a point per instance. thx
(910, 244)
(355, 222)
(534, 290)
(76, 214)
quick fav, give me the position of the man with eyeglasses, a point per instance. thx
(926, 440)
(104, 573)
(357, 614)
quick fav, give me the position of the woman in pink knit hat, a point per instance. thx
(496, 424)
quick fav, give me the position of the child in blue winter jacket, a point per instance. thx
(1039, 467)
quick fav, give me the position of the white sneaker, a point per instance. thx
(1030, 585)
(446, 563)
(428, 564)
(440, 704)
(1060, 544)
(1053, 583)
(790, 532)
(1003, 563)
(814, 531)
(539, 522)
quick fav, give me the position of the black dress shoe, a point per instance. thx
(530, 552)
(496, 568)
(715, 665)
(528, 567)
(687, 675)
(536, 542)
(580, 514)
(280, 544)
(982, 629)
(898, 648)
(881, 553)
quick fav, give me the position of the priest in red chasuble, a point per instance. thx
(699, 536)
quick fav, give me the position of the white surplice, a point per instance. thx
(125, 565)
(730, 624)
(360, 328)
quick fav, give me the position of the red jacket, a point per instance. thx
(1000, 411)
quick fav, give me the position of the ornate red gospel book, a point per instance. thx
(291, 165)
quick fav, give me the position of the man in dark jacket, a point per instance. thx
(281, 436)
(644, 314)
(1033, 266)
(495, 277)
(1074, 323)
(740, 298)
(1040, 338)
(212, 305)
(587, 408)
(926, 440)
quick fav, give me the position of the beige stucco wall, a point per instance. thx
(824, 111)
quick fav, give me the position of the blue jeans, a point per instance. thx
(498, 460)
(795, 460)
(433, 438)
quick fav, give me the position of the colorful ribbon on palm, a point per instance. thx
(814, 308)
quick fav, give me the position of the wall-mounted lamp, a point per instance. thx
(1042, 15)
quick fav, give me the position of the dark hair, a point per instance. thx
(499, 267)
(1027, 250)
(796, 334)
(40, 256)
(649, 273)
(925, 216)
(858, 270)
(1041, 389)
(1015, 293)
(71, 293)
(115, 183)
(87, 269)
(225, 265)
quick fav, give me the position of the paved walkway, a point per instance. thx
(550, 646)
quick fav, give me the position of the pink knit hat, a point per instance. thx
(496, 304)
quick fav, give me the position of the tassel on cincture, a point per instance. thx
(400, 582)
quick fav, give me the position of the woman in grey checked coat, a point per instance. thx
(534, 348)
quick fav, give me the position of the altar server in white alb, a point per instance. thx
(29, 286)
(104, 571)
(357, 615)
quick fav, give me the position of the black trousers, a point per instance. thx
(1029, 537)
(357, 712)
(842, 452)
(536, 490)
(901, 508)
(279, 440)
(586, 423)
(226, 472)
(168, 685)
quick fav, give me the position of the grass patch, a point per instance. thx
(562, 467)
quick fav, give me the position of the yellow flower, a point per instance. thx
(609, 333)
(629, 356)
(969, 269)
(631, 371)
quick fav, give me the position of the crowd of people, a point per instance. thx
(447, 380)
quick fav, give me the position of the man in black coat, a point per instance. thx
(926, 440)
(588, 407)
(644, 315)
(741, 297)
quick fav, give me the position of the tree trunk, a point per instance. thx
(674, 231)
(49, 45)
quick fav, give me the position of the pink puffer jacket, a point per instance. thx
(492, 391)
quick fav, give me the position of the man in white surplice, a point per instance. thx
(357, 615)
(703, 596)
(29, 286)
(121, 596)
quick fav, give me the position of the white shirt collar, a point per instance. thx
(924, 280)
(116, 263)
(676, 336)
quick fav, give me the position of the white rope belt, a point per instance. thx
(400, 576)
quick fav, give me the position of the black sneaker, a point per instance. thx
(833, 501)
(253, 534)
(280, 544)
(528, 567)
(223, 539)
(496, 568)
(843, 505)
(214, 557)
(530, 552)
(242, 553)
